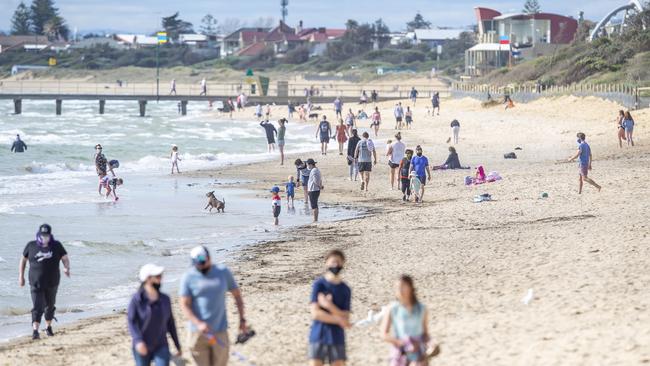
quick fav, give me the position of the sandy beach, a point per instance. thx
(583, 256)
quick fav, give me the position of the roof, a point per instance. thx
(249, 37)
(252, 50)
(10, 41)
(435, 34)
(510, 15)
(321, 35)
(234, 36)
(491, 47)
(193, 38)
(281, 33)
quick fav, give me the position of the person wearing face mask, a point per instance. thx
(44, 255)
(150, 318)
(330, 312)
(203, 301)
(420, 165)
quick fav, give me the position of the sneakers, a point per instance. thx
(404, 198)
(49, 331)
(35, 335)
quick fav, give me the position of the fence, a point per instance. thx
(625, 95)
(295, 90)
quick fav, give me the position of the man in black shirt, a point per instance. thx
(44, 255)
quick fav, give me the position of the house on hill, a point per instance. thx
(23, 43)
(242, 38)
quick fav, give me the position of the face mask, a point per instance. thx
(335, 270)
(46, 239)
(204, 270)
(579, 141)
(419, 154)
(156, 286)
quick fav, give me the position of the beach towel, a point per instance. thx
(493, 177)
(483, 198)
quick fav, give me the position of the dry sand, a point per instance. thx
(585, 256)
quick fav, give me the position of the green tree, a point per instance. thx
(381, 33)
(209, 25)
(41, 12)
(531, 7)
(20, 22)
(174, 26)
(418, 23)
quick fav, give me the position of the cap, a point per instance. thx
(413, 174)
(45, 229)
(150, 270)
(275, 189)
(311, 161)
(98, 146)
(199, 254)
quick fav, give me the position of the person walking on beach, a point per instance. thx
(408, 117)
(18, 146)
(414, 95)
(455, 129)
(172, 88)
(420, 165)
(620, 129)
(270, 134)
(314, 186)
(404, 327)
(341, 135)
(628, 124)
(150, 319)
(364, 98)
(324, 131)
(204, 87)
(44, 255)
(338, 107)
(366, 156)
(352, 160)
(584, 162)
(399, 115)
(175, 159)
(231, 107)
(276, 204)
(303, 171)
(435, 103)
(330, 312)
(281, 132)
(202, 294)
(395, 154)
(376, 121)
(404, 169)
(374, 96)
(349, 121)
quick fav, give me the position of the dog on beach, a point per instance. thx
(313, 116)
(213, 202)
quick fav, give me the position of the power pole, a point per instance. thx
(285, 11)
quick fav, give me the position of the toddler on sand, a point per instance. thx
(291, 188)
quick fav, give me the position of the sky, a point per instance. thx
(143, 16)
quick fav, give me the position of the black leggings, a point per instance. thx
(406, 186)
(43, 300)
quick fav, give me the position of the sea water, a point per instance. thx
(158, 218)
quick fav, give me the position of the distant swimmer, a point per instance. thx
(19, 145)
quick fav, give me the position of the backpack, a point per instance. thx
(406, 166)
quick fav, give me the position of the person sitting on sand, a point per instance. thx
(479, 176)
(404, 326)
(452, 161)
(362, 115)
(330, 311)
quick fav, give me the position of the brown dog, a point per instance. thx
(213, 202)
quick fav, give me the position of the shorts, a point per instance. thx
(375, 123)
(584, 170)
(327, 353)
(324, 138)
(629, 129)
(290, 194)
(398, 119)
(280, 142)
(409, 119)
(365, 167)
(304, 181)
(276, 211)
(393, 165)
(313, 199)
(423, 180)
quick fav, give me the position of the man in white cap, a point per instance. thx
(150, 318)
(203, 301)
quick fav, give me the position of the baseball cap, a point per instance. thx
(45, 229)
(199, 254)
(150, 270)
(311, 161)
(275, 189)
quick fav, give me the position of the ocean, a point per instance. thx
(158, 218)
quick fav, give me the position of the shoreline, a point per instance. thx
(472, 263)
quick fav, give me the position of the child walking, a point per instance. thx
(175, 159)
(276, 204)
(291, 190)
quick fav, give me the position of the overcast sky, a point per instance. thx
(144, 15)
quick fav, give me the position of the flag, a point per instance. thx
(504, 40)
(162, 37)
(515, 52)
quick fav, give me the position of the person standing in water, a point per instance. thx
(44, 255)
(324, 131)
(270, 134)
(314, 186)
(584, 162)
(281, 132)
(175, 159)
(18, 146)
(150, 319)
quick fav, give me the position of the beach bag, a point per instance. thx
(510, 155)
(468, 180)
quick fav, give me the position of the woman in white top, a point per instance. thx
(395, 152)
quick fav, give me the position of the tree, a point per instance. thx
(230, 25)
(209, 25)
(174, 26)
(531, 7)
(381, 33)
(56, 29)
(263, 22)
(418, 23)
(41, 12)
(20, 22)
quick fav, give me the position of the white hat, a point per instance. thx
(199, 254)
(150, 270)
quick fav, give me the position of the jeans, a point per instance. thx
(160, 357)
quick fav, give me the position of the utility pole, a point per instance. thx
(162, 38)
(285, 12)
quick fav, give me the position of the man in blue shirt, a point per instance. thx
(420, 165)
(203, 301)
(330, 312)
(584, 165)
